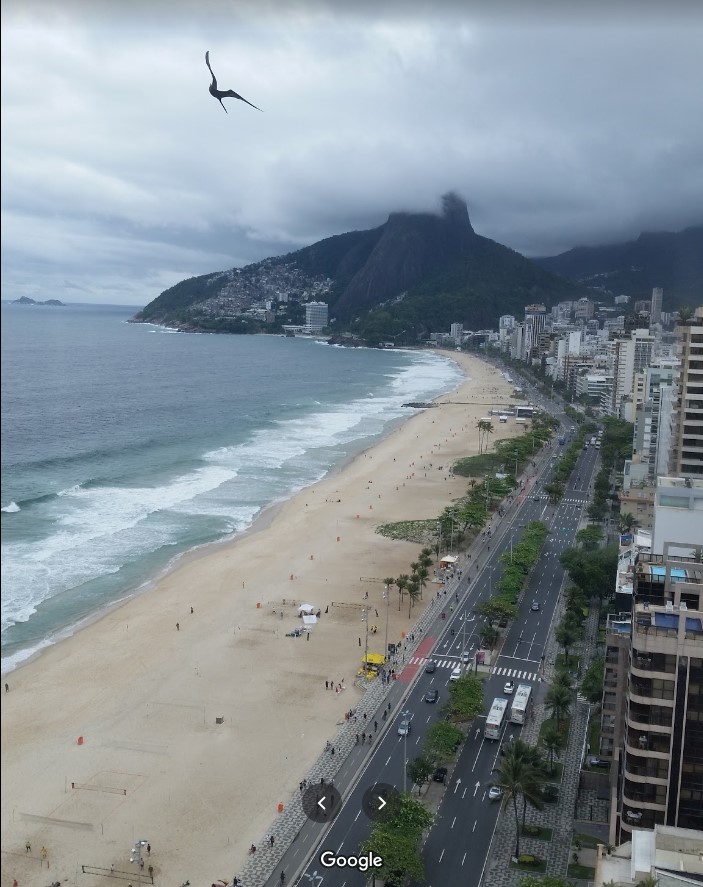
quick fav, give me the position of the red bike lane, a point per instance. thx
(423, 650)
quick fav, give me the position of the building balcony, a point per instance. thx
(648, 770)
(656, 723)
(651, 671)
(640, 818)
(638, 801)
(645, 695)
(653, 749)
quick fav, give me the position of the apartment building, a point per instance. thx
(535, 318)
(626, 357)
(660, 776)
(316, 316)
(687, 427)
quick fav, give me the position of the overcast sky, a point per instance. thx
(121, 175)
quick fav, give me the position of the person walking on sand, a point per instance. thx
(148, 849)
(7, 688)
(178, 626)
(28, 847)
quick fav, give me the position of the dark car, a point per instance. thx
(432, 696)
(440, 774)
(430, 666)
(598, 762)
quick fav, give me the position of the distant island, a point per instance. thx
(25, 300)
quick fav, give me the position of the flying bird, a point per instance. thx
(220, 94)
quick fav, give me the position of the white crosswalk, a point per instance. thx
(515, 673)
(502, 672)
(440, 663)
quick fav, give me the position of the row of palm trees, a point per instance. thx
(412, 584)
(524, 770)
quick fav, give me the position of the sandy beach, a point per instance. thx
(126, 710)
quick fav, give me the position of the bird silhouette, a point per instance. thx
(220, 94)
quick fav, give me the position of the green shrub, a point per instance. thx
(528, 859)
(550, 793)
(531, 830)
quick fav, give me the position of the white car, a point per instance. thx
(466, 657)
(404, 728)
(509, 687)
(494, 793)
(456, 674)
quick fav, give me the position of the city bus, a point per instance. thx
(521, 704)
(496, 718)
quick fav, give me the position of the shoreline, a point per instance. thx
(261, 522)
(129, 703)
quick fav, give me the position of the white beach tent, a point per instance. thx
(448, 560)
(306, 608)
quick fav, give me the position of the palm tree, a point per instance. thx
(553, 742)
(413, 591)
(628, 522)
(558, 703)
(481, 425)
(425, 557)
(566, 635)
(531, 757)
(562, 678)
(517, 777)
(489, 635)
(489, 429)
(422, 575)
(401, 583)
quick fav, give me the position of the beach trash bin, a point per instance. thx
(280, 808)
(258, 606)
(80, 740)
(219, 720)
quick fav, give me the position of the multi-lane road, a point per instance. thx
(456, 848)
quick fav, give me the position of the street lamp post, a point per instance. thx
(405, 715)
(387, 596)
(136, 857)
(365, 618)
(463, 637)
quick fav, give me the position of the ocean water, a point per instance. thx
(125, 445)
